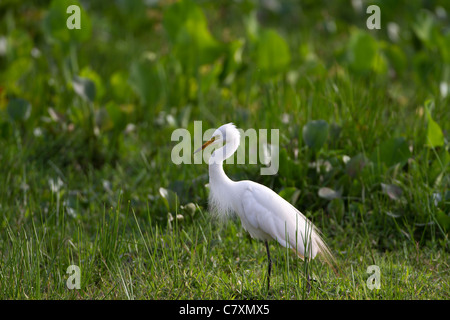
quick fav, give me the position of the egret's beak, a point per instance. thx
(207, 143)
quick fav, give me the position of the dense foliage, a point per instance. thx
(86, 118)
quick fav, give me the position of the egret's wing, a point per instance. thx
(267, 216)
(266, 211)
(258, 219)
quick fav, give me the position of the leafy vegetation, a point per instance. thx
(86, 117)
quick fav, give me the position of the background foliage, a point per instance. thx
(86, 118)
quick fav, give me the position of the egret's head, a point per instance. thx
(226, 133)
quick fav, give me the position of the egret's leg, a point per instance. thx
(308, 284)
(269, 266)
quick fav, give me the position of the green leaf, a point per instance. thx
(55, 22)
(272, 54)
(443, 42)
(355, 165)
(397, 58)
(362, 50)
(438, 168)
(391, 152)
(119, 85)
(315, 133)
(18, 59)
(187, 29)
(423, 26)
(145, 81)
(435, 137)
(19, 109)
(443, 219)
(290, 194)
(90, 74)
(118, 117)
(84, 87)
(178, 15)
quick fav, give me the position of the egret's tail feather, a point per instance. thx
(324, 252)
(316, 246)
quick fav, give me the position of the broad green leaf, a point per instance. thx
(117, 116)
(362, 50)
(55, 22)
(19, 43)
(379, 63)
(443, 42)
(443, 219)
(391, 152)
(251, 26)
(439, 167)
(137, 9)
(119, 85)
(17, 60)
(90, 74)
(187, 28)
(145, 81)
(272, 53)
(435, 137)
(19, 109)
(179, 14)
(355, 165)
(423, 26)
(290, 194)
(397, 58)
(84, 87)
(315, 133)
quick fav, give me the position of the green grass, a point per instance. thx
(82, 160)
(130, 259)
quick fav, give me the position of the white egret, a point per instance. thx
(263, 213)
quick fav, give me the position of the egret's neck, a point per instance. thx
(216, 173)
(221, 187)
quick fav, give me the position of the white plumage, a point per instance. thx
(263, 213)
